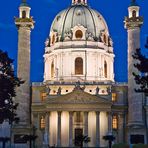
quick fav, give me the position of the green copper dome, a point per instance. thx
(24, 4)
(133, 3)
(82, 15)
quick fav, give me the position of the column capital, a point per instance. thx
(71, 113)
(59, 113)
(97, 112)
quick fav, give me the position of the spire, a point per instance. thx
(133, 3)
(24, 3)
(84, 2)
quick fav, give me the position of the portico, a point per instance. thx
(73, 114)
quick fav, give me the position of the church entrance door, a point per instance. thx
(79, 137)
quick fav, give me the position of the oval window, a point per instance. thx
(79, 34)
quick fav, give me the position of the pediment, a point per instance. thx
(78, 96)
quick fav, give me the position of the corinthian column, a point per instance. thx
(59, 130)
(97, 129)
(85, 126)
(70, 129)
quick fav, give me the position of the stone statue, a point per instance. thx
(97, 90)
(108, 89)
(48, 90)
(77, 85)
(59, 91)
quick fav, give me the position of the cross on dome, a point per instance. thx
(23, 1)
(79, 1)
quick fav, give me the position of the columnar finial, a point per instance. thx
(133, 3)
(23, 1)
(79, 1)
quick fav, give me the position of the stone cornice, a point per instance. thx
(133, 22)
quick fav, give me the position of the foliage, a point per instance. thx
(8, 84)
(81, 139)
(120, 145)
(140, 146)
(142, 66)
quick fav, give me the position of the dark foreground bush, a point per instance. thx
(140, 146)
(120, 145)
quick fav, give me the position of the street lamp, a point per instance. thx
(109, 137)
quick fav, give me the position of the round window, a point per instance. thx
(79, 34)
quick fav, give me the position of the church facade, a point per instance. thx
(79, 95)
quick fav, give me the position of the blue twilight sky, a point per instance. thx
(44, 12)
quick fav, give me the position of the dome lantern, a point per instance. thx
(79, 2)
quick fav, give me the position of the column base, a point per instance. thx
(137, 135)
(135, 124)
(22, 136)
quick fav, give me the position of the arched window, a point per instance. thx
(134, 13)
(104, 38)
(53, 39)
(105, 69)
(23, 14)
(79, 66)
(42, 123)
(79, 34)
(52, 69)
(115, 122)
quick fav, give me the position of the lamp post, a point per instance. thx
(110, 138)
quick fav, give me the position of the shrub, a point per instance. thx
(140, 146)
(120, 145)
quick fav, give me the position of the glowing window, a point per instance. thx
(115, 122)
(79, 66)
(79, 34)
(105, 69)
(42, 122)
(43, 96)
(114, 97)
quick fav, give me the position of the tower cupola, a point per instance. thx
(84, 2)
(24, 10)
(133, 9)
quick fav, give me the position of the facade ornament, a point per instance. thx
(97, 91)
(47, 42)
(59, 91)
(108, 89)
(90, 36)
(48, 90)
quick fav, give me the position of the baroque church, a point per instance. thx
(79, 95)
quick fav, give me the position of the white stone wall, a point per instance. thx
(93, 64)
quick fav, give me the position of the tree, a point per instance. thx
(80, 139)
(8, 84)
(142, 66)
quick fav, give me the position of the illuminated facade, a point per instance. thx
(79, 95)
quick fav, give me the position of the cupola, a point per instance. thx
(133, 9)
(74, 2)
(24, 10)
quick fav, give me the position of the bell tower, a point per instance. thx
(24, 25)
(133, 23)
